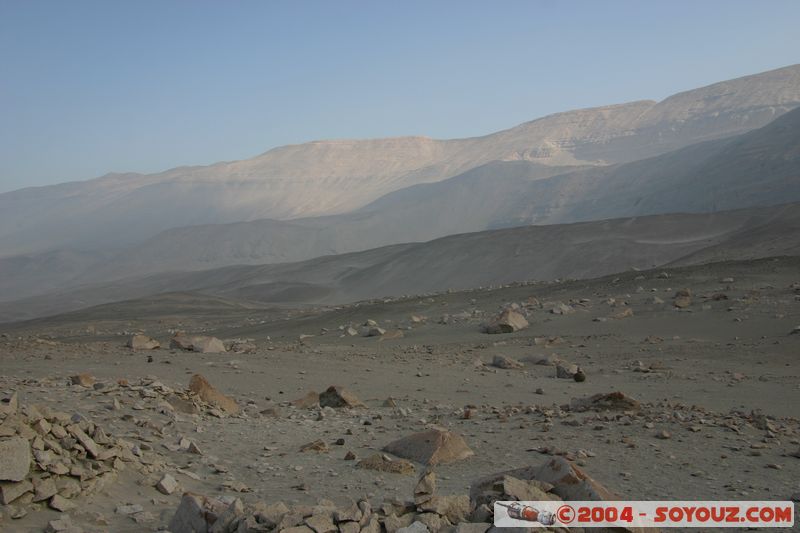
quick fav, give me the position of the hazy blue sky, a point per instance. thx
(89, 87)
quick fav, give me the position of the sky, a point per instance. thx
(91, 87)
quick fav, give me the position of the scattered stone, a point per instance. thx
(61, 525)
(167, 485)
(10, 491)
(143, 342)
(416, 527)
(60, 503)
(560, 308)
(84, 380)
(431, 447)
(319, 446)
(579, 376)
(337, 397)
(506, 363)
(206, 392)
(625, 313)
(44, 488)
(382, 463)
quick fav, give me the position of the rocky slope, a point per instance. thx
(578, 250)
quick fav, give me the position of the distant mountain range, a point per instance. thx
(331, 177)
(730, 145)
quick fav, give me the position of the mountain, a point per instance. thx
(758, 168)
(331, 177)
(579, 250)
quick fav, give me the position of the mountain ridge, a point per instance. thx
(333, 177)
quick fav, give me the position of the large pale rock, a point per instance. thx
(433, 446)
(197, 343)
(15, 458)
(206, 392)
(508, 321)
(339, 397)
(143, 342)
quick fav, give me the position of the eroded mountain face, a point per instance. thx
(327, 177)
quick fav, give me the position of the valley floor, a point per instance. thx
(718, 381)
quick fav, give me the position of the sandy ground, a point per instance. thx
(724, 390)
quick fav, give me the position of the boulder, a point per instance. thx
(565, 370)
(143, 342)
(206, 392)
(508, 321)
(431, 447)
(15, 458)
(190, 516)
(683, 298)
(336, 397)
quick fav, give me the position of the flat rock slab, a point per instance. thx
(15, 459)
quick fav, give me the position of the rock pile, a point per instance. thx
(143, 342)
(49, 457)
(427, 511)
